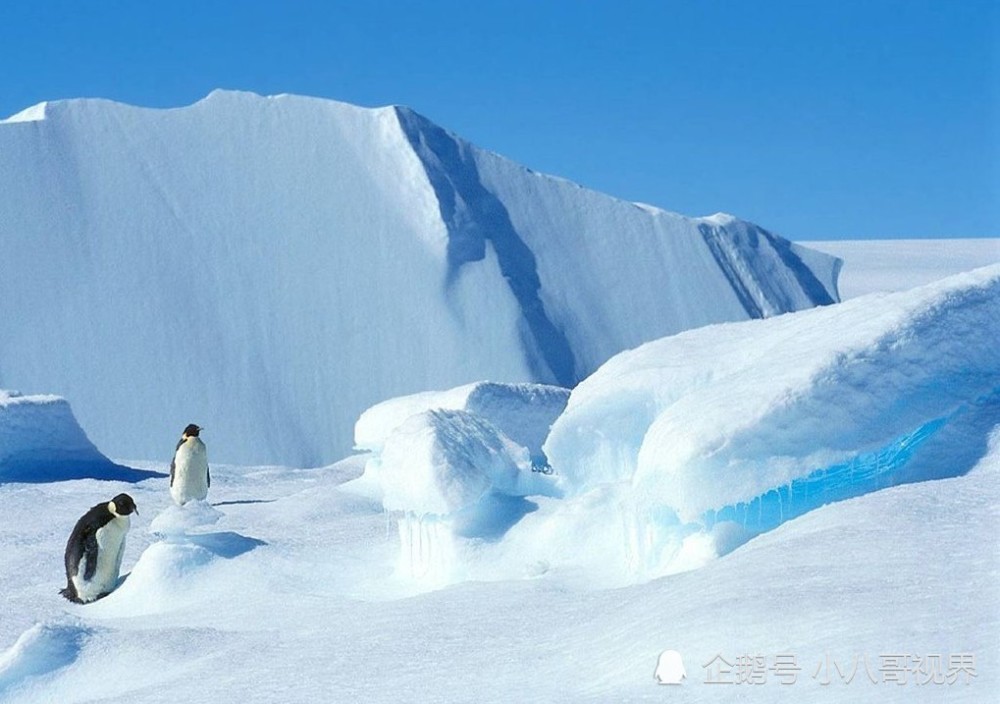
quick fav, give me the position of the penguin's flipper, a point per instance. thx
(208, 476)
(174, 460)
(90, 552)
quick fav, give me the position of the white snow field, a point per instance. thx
(270, 267)
(290, 585)
(896, 265)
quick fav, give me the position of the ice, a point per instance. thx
(742, 427)
(523, 412)
(303, 259)
(873, 266)
(453, 476)
(40, 440)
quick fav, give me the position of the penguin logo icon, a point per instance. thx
(670, 668)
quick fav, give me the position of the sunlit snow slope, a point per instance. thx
(270, 267)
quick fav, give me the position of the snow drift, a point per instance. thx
(40, 441)
(270, 267)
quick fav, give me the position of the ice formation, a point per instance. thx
(523, 412)
(678, 451)
(304, 259)
(40, 441)
(730, 430)
(454, 466)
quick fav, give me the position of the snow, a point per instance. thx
(305, 259)
(907, 570)
(523, 412)
(896, 265)
(820, 487)
(512, 592)
(740, 427)
(35, 113)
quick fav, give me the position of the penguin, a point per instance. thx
(95, 548)
(189, 476)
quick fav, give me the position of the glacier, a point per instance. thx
(269, 267)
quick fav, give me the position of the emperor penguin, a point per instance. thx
(95, 548)
(189, 476)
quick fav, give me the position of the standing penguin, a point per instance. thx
(95, 548)
(189, 477)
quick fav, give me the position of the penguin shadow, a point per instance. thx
(41, 649)
(243, 502)
(225, 544)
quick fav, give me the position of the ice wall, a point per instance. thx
(270, 267)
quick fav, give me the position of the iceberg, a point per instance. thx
(273, 266)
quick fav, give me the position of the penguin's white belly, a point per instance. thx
(190, 472)
(110, 549)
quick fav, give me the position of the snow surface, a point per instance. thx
(292, 596)
(270, 267)
(872, 266)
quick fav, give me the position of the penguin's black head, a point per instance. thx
(124, 505)
(191, 431)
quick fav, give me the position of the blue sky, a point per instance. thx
(814, 119)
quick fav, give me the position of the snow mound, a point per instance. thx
(40, 440)
(304, 259)
(170, 574)
(523, 412)
(179, 520)
(42, 649)
(740, 427)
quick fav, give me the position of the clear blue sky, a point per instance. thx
(837, 119)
